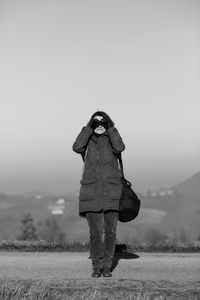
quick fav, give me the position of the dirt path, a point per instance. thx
(63, 265)
(158, 273)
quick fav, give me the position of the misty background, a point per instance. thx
(63, 60)
(138, 61)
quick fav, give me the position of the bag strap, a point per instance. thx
(119, 156)
(83, 156)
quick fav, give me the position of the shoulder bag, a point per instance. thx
(129, 204)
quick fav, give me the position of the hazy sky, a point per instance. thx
(60, 61)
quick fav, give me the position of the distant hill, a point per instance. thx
(168, 212)
(187, 216)
(182, 207)
(189, 187)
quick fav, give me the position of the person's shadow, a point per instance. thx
(121, 253)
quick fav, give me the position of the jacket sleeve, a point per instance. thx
(116, 140)
(82, 139)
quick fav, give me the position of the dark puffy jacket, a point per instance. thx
(101, 184)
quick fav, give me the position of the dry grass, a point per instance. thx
(96, 289)
(41, 245)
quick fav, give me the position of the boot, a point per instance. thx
(96, 273)
(106, 272)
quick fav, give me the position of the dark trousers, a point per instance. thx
(102, 252)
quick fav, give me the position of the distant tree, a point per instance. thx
(28, 229)
(51, 231)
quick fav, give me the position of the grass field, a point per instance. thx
(96, 289)
(67, 275)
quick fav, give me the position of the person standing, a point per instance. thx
(99, 143)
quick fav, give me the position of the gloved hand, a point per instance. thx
(93, 123)
(110, 123)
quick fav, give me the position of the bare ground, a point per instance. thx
(149, 275)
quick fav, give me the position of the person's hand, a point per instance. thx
(110, 124)
(92, 123)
